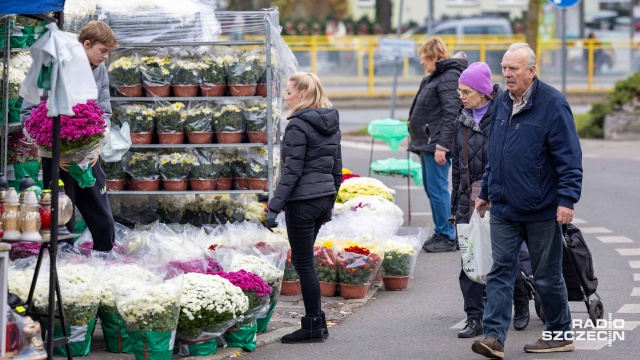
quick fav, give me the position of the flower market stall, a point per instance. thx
(38, 10)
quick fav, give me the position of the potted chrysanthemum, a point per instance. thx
(291, 280)
(356, 266)
(210, 305)
(124, 73)
(326, 267)
(143, 169)
(399, 259)
(174, 170)
(140, 118)
(199, 123)
(225, 176)
(239, 166)
(170, 120)
(204, 171)
(156, 75)
(185, 77)
(240, 74)
(229, 122)
(257, 169)
(115, 174)
(256, 115)
(213, 76)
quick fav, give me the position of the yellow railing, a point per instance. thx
(350, 67)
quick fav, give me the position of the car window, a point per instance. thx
(474, 30)
(495, 29)
(446, 31)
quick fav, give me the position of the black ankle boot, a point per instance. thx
(311, 331)
(472, 329)
(325, 329)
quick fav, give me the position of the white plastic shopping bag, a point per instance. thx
(474, 239)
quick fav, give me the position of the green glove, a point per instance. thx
(84, 178)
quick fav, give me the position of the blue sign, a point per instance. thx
(564, 3)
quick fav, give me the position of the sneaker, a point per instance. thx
(542, 346)
(441, 245)
(430, 241)
(521, 315)
(489, 347)
(472, 329)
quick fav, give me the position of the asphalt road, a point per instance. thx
(422, 322)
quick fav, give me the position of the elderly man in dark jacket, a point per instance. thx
(532, 181)
(431, 118)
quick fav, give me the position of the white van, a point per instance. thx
(467, 26)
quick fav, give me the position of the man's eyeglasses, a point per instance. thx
(464, 92)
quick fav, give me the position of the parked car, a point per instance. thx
(471, 26)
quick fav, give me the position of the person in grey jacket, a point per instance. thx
(311, 177)
(97, 39)
(431, 118)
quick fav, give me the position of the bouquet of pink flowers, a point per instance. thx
(81, 137)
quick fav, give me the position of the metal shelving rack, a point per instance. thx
(55, 296)
(269, 98)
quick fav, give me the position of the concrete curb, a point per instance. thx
(334, 317)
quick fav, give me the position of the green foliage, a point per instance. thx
(125, 71)
(290, 273)
(199, 119)
(325, 265)
(156, 70)
(229, 118)
(212, 71)
(625, 91)
(113, 170)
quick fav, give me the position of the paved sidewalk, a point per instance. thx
(286, 318)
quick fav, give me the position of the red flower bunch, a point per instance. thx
(357, 250)
(213, 247)
(356, 265)
(83, 130)
(349, 176)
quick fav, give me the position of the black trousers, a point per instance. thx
(92, 203)
(304, 219)
(473, 292)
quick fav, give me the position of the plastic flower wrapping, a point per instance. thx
(370, 205)
(399, 258)
(20, 276)
(81, 288)
(357, 262)
(360, 186)
(24, 249)
(129, 275)
(210, 305)
(150, 307)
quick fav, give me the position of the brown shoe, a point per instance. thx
(489, 347)
(542, 346)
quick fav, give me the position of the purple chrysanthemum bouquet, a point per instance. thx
(81, 137)
(256, 289)
(23, 250)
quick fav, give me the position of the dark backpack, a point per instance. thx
(577, 265)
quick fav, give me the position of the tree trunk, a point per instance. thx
(533, 13)
(383, 14)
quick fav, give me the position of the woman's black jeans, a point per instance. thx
(304, 219)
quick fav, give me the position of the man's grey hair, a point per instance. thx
(531, 56)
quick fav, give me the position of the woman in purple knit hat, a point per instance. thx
(469, 158)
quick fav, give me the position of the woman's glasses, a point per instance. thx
(464, 93)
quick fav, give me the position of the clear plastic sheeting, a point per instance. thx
(77, 13)
(145, 21)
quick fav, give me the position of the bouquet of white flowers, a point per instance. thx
(210, 305)
(150, 313)
(80, 299)
(113, 328)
